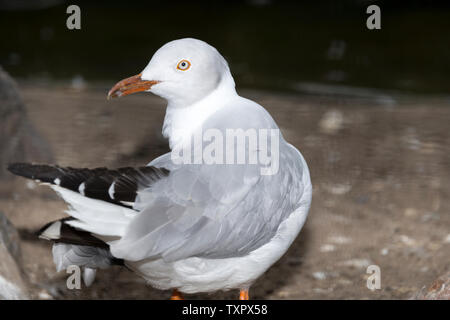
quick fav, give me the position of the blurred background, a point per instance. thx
(368, 109)
(270, 44)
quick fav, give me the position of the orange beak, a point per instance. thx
(130, 85)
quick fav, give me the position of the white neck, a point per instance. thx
(181, 122)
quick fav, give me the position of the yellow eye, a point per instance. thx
(183, 65)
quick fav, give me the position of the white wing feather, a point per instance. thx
(96, 216)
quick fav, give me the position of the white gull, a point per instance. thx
(198, 226)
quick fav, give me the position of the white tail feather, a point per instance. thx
(89, 276)
(96, 216)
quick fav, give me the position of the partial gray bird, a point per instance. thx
(212, 214)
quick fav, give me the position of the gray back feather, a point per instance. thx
(214, 210)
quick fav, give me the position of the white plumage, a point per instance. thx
(95, 216)
(195, 227)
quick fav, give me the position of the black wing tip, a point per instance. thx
(71, 235)
(22, 169)
(95, 182)
(41, 172)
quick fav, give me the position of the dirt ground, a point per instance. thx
(380, 173)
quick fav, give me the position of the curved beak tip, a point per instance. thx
(112, 94)
(130, 85)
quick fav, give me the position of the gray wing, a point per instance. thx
(214, 211)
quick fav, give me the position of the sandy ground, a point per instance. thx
(380, 172)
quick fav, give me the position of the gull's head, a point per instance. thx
(182, 71)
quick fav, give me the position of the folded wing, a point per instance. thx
(214, 211)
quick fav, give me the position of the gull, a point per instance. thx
(189, 221)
